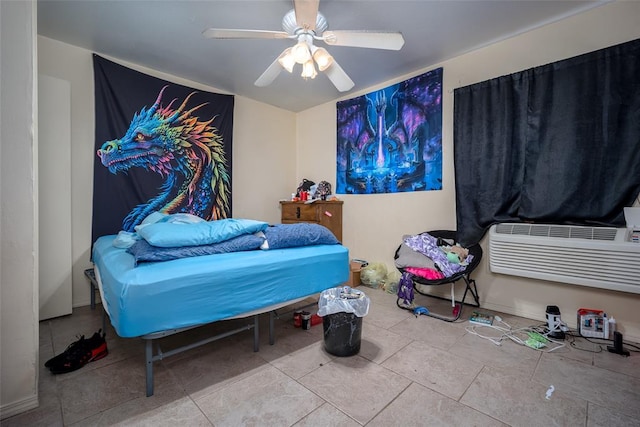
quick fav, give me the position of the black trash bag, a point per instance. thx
(342, 334)
(342, 310)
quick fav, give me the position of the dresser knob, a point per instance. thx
(298, 212)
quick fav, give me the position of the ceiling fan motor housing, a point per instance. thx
(290, 24)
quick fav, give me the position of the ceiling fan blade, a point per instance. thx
(338, 77)
(269, 74)
(369, 39)
(223, 33)
(306, 13)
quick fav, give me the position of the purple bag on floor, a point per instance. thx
(405, 289)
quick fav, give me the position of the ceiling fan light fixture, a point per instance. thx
(322, 58)
(309, 70)
(298, 26)
(301, 52)
(287, 60)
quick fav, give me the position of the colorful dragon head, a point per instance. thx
(187, 152)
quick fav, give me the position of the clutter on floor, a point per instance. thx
(594, 327)
(79, 353)
(499, 331)
(374, 275)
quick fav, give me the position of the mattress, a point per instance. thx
(160, 296)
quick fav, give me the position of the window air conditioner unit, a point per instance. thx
(601, 257)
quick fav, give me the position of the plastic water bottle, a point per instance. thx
(612, 327)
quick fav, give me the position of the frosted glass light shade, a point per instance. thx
(322, 58)
(301, 52)
(287, 60)
(309, 70)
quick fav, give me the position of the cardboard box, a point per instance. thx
(354, 279)
(354, 272)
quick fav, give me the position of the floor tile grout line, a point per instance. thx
(470, 384)
(540, 360)
(199, 409)
(392, 401)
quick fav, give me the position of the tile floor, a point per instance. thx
(410, 372)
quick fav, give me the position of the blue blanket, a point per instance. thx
(142, 251)
(279, 236)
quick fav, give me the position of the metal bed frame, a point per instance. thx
(151, 356)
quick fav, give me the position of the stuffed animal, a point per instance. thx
(456, 254)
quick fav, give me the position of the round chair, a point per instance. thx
(449, 237)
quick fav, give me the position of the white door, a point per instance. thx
(54, 196)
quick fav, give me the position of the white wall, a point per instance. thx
(18, 217)
(263, 169)
(374, 224)
(54, 197)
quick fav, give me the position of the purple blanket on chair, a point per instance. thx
(427, 245)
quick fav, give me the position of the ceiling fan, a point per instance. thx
(305, 25)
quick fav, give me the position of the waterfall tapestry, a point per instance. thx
(159, 146)
(390, 140)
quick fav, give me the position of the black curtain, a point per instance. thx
(559, 143)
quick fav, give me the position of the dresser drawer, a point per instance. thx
(325, 213)
(299, 212)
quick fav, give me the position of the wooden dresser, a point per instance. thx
(327, 213)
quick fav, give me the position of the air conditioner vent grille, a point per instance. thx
(559, 231)
(589, 256)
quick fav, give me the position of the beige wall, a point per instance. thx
(18, 207)
(274, 149)
(374, 224)
(264, 155)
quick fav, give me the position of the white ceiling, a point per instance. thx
(166, 36)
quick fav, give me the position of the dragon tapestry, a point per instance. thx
(390, 140)
(160, 147)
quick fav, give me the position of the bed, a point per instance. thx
(152, 300)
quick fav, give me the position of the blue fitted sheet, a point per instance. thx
(161, 296)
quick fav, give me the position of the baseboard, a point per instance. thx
(86, 303)
(78, 304)
(18, 407)
(514, 312)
